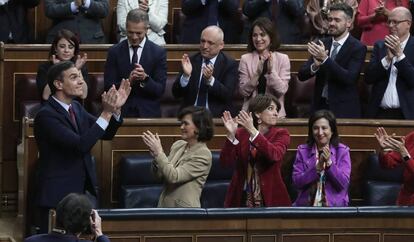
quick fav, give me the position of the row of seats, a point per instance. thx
(139, 188)
(297, 104)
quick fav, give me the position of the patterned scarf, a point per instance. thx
(317, 195)
(252, 184)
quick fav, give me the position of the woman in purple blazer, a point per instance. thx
(322, 167)
(264, 70)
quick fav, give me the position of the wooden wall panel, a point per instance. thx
(221, 238)
(398, 237)
(170, 238)
(305, 237)
(360, 237)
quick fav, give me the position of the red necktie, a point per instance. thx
(73, 117)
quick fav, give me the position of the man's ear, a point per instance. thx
(58, 84)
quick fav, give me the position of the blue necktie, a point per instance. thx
(212, 12)
(134, 55)
(203, 88)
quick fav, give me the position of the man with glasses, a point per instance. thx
(208, 78)
(391, 70)
(141, 61)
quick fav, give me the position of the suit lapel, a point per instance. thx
(344, 48)
(61, 111)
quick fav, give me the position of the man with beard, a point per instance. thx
(336, 62)
(391, 70)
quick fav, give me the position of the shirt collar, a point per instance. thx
(64, 105)
(142, 44)
(341, 41)
(404, 43)
(212, 60)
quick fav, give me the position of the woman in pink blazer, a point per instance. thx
(263, 70)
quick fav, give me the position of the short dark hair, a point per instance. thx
(137, 16)
(340, 6)
(202, 119)
(56, 73)
(70, 37)
(269, 28)
(73, 213)
(328, 115)
(259, 103)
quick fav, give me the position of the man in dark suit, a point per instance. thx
(391, 70)
(208, 78)
(74, 216)
(336, 62)
(202, 13)
(65, 134)
(287, 15)
(14, 27)
(82, 17)
(141, 61)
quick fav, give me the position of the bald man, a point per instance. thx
(209, 77)
(391, 70)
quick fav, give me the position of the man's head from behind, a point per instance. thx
(137, 24)
(339, 19)
(73, 213)
(399, 22)
(65, 81)
(211, 41)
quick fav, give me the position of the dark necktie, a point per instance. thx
(73, 117)
(212, 12)
(203, 88)
(334, 53)
(134, 54)
(261, 87)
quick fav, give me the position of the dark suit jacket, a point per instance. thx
(288, 14)
(342, 75)
(378, 76)
(144, 101)
(13, 18)
(220, 95)
(61, 238)
(86, 24)
(197, 19)
(65, 162)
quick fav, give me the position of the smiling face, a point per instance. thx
(261, 40)
(65, 50)
(322, 132)
(339, 24)
(399, 23)
(70, 86)
(210, 43)
(189, 132)
(136, 32)
(268, 116)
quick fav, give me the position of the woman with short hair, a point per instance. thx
(184, 171)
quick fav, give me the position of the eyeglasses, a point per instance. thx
(396, 22)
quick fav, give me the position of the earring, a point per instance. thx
(259, 121)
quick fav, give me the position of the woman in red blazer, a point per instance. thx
(399, 153)
(256, 149)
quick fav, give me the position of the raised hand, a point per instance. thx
(317, 50)
(153, 142)
(208, 71)
(81, 61)
(393, 43)
(246, 120)
(109, 100)
(143, 4)
(381, 136)
(230, 124)
(397, 145)
(123, 92)
(55, 60)
(186, 65)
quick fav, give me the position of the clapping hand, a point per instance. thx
(81, 60)
(393, 44)
(317, 51)
(208, 71)
(123, 92)
(186, 65)
(246, 120)
(382, 136)
(153, 142)
(324, 158)
(230, 124)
